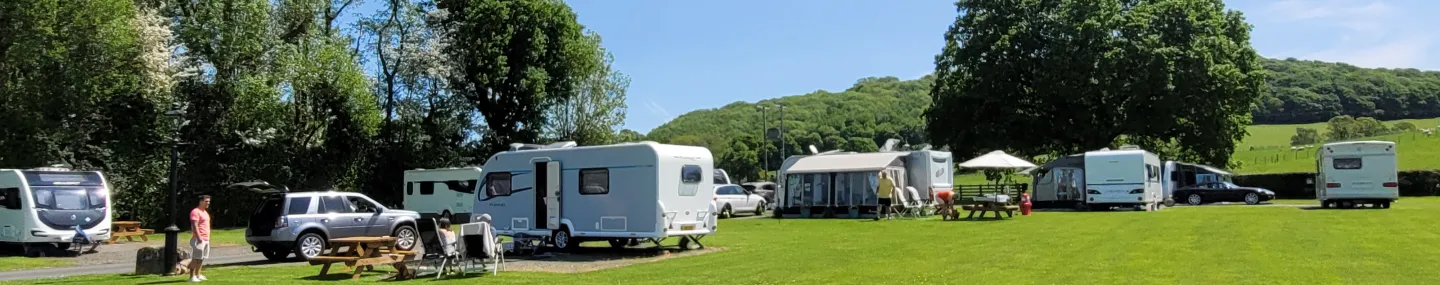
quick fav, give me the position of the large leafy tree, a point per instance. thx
(594, 115)
(1046, 77)
(514, 59)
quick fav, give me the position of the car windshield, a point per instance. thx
(1228, 185)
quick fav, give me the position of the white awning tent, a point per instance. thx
(997, 160)
(858, 162)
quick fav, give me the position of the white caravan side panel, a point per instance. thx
(1122, 177)
(433, 192)
(1357, 170)
(12, 210)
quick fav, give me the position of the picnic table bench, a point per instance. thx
(128, 230)
(363, 254)
(987, 206)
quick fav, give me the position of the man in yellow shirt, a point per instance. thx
(886, 189)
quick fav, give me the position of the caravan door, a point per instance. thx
(552, 201)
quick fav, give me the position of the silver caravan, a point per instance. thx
(1100, 180)
(621, 193)
(44, 207)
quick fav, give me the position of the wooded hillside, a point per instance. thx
(874, 109)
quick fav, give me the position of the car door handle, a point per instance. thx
(324, 220)
(359, 219)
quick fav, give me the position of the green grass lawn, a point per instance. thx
(1184, 245)
(10, 263)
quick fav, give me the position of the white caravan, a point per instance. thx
(1126, 177)
(43, 207)
(1358, 172)
(621, 193)
(446, 192)
(930, 171)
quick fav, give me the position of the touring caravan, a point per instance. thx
(1101, 179)
(43, 207)
(930, 171)
(621, 193)
(1359, 172)
(446, 192)
(1125, 177)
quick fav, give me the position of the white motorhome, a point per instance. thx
(43, 207)
(1126, 177)
(1359, 172)
(621, 193)
(446, 192)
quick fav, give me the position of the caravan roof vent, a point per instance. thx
(890, 145)
(833, 151)
(1129, 147)
(524, 146)
(564, 144)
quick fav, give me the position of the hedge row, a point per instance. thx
(1301, 186)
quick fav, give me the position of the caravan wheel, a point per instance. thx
(563, 239)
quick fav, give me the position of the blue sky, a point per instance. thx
(689, 55)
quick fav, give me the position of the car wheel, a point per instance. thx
(563, 239)
(1252, 198)
(760, 209)
(1195, 199)
(1385, 205)
(726, 212)
(405, 237)
(1324, 204)
(309, 245)
(275, 255)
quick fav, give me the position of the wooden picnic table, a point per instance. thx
(128, 230)
(363, 254)
(990, 206)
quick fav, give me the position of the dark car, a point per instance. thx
(763, 188)
(1211, 192)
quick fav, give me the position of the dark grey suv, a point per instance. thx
(304, 222)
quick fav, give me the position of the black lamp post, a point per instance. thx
(171, 247)
(764, 136)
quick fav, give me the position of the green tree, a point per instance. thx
(1305, 136)
(741, 160)
(628, 135)
(1369, 127)
(1342, 127)
(1405, 126)
(514, 59)
(1009, 69)
(593, 116)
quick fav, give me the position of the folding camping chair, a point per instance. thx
(438, 254)
(80, 240)
(481, 244)
(913, 204)
(902, 206)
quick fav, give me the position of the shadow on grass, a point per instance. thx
(117, 279)
(347, 275)
(1338, 209)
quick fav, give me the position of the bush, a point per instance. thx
(1301, 186)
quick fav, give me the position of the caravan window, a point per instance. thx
(1348, 163)
(691, 174)
(594, 181)
(410, 188)
(10, 198)
(427, 188)
(497, 184)
(60, 198)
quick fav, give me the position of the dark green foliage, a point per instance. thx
(1054, 77)
(1300, 186)
(1304, 136)
(1304, 91)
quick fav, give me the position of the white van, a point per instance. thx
(43, 207)
(1360, 172)
(446, 192)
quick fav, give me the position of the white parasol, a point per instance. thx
(997, 160)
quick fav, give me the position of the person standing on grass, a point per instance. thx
(200, 237)
(887, 187)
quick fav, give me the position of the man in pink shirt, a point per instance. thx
(200, 238)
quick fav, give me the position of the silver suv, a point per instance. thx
(304, 222)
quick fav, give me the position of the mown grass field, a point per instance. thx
(1183, 245)
(221, 237)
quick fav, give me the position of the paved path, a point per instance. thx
(125, 268)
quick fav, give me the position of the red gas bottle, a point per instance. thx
(1024, 204)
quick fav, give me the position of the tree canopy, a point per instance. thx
(1055, 77)
(1305, 91)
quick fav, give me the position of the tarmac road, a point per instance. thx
(253, 259)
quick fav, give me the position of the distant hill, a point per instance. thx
(1303, 91)
(878, 108)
